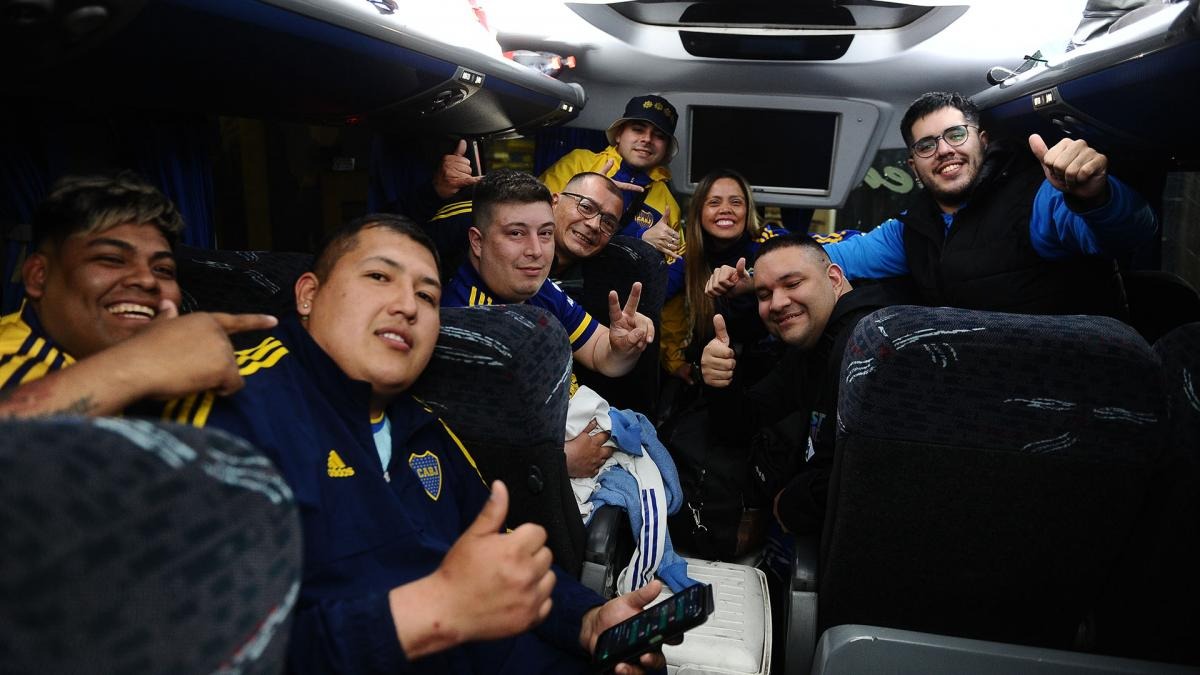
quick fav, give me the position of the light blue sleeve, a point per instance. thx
(875, 255)
(1122, 224)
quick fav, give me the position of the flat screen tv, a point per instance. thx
(777, 150)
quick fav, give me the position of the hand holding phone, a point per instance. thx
(652, 627)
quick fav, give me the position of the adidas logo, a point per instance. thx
(337, 467)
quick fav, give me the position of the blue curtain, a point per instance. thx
(554, 142)
(24, 181)
(399, 180)
(171, 153)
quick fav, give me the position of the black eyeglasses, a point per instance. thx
(954, 137)
(590, 209)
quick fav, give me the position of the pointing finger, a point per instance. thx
(238, 323)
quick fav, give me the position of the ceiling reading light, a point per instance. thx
(547, 63)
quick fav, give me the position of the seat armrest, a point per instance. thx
(606, 551)
(804, 564)
(802, 607)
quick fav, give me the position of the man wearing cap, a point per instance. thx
(641, 143)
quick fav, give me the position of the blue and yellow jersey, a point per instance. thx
(466, 289)
(26, 352)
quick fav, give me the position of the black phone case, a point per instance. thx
(612, 648)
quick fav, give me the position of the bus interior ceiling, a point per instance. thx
(307, 114)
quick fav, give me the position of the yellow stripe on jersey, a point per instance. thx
(14, 332)
(587, 321)
(463, 448)
(266, 354)
(38, 370)
(200, 418)
(256, 353)
(452, 209)
(185, 409)
(477, 298)
(169, 409)
(270, 360)
(377, 419)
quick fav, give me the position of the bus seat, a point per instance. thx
(137, 546)
(990, 470)
(854, 649)
(1155, 617)
(239, 282)
(622, 262)
(1159, 302)
(500, 377)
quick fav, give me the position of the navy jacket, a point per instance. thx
(366, 534)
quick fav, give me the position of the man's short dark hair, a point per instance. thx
(505, 187)
(345, 238)
(801, 241)
(609, 185)
(96, 203)
(931, 102)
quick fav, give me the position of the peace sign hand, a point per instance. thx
(628, 331)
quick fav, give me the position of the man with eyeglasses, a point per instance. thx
(586, 215)
(1003, 228)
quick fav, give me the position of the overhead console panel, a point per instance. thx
(1130, 92)
(332, 61)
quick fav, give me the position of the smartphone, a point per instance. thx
(647, 630)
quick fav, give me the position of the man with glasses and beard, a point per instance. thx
(1003, 228)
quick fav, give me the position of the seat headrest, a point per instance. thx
(1011, 382)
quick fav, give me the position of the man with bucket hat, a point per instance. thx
(641, 143)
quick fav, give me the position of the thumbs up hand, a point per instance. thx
(726, 280)
(454, 173)
(717, 362)
(1075, 169)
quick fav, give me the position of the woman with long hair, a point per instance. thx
(722, 227)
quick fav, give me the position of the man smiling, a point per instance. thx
(100, 289)
(586, 215)
(805, 301)
(641, 144)
(512, 249)
(1031, 230)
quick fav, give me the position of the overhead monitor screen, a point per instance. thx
(786, 151)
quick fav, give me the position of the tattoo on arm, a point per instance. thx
(27, 401)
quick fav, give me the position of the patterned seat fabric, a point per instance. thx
(1064, 385)
(129, 546)
(621, 263)
(990, 471)
(500, 377)
(1180, 354)
(240, 281)
(1155, 617)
